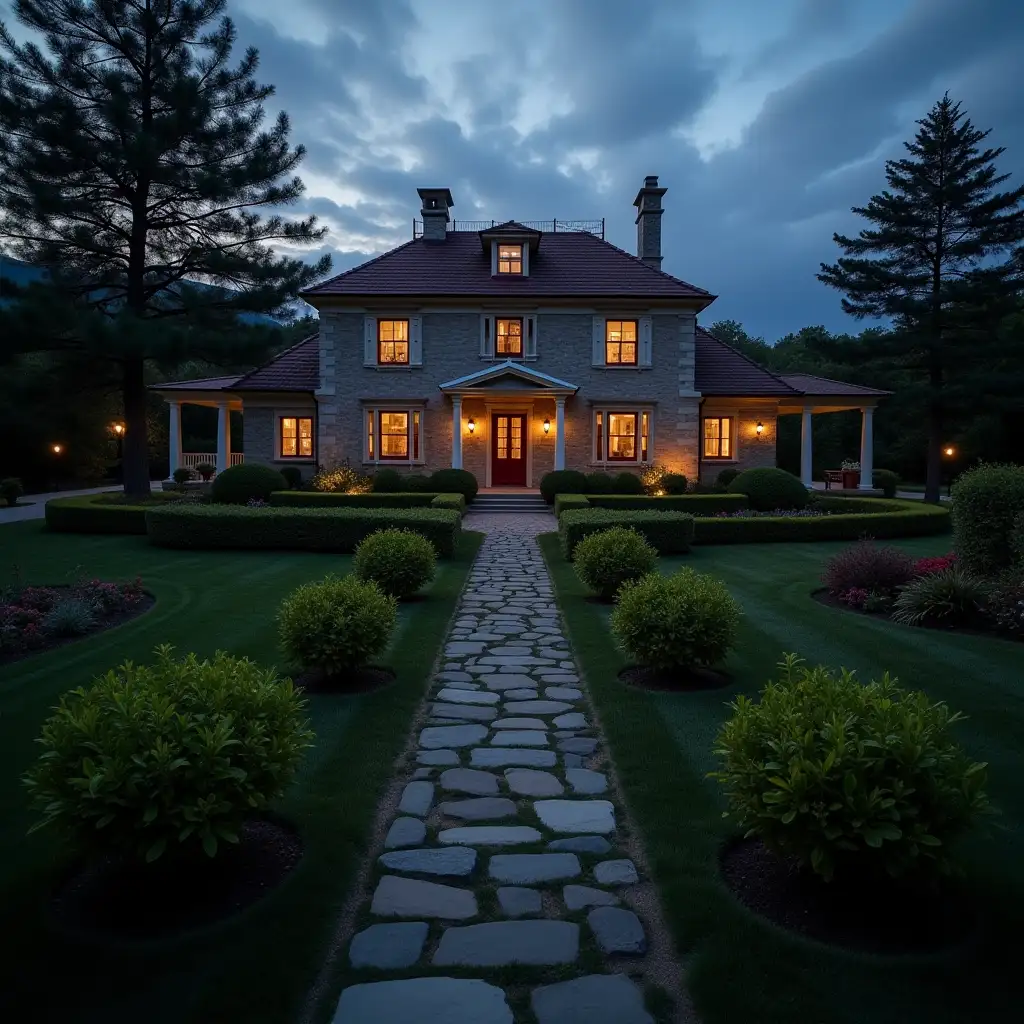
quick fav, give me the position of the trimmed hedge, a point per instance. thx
(87, 514)
(294, 529)
(770, 489)
(396, 499)
(669, 533)
(455, 501)
(567, 501)
(695, 504)
(562, 481)
(239, 484)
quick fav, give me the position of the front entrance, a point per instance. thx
(508, 450)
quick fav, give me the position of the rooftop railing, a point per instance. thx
(590, 227)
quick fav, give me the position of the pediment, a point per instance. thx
(509, 376)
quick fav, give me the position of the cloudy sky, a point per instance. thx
(765, 120)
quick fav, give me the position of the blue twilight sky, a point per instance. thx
(766, 120)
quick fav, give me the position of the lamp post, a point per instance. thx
(949, 453)
(57, 450)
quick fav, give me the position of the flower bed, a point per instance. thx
(36, 618)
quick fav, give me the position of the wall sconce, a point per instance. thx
(56, 448)
(759, 428)
(547, 426)
(471, 424)
(118, 428)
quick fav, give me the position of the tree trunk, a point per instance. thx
(135, 461)
(933, 478)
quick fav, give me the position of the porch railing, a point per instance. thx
(192, 459)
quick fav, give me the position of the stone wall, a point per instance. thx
(260, 417)
(751, 451)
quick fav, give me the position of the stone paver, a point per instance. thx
(510, 756)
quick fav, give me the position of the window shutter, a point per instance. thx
(370, 341)
(531, 337)
(415, 341)
(645, 341)
(598, 355)
(487, 336)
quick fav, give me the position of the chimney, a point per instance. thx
(648, 221)
(436, 204)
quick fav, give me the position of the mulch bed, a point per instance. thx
(646, 678)
(363, 680)
(159, 900)
(116, 619)
(872, 915)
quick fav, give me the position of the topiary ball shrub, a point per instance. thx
(337, 625)
(597, 483)
(952, 597)
(292, 476)
(986, 501)
(866, 565)
(398, 561)
(455, 481)
(886, 481)
(769, 489)
(848, 777)
(726, 477)
(562, 481)
(170, 758)
(604, 561)
(675, 623)
(237, 485)
(417, 483)
(388, 481)
(674, 483)
(627, 483)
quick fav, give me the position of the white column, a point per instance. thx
(560, 432)
(223, 437)
(174, 434)
(806, 471)
(456, 431)
(867, 447)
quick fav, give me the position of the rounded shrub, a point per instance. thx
(181, 475)
(886, 481)
(673, 623)
(606, 560)
(292, 476)
(986, 501)
(627, 483)
(388, 481)
(726, 477)
(455, 481)
(337, 625)
(237, 485)
(848, 777)
(866, 565)
(674, 483)
(155, 760)
(768, 488)
(398, 561)
(562, 481)
(597, 483)
(417, 482)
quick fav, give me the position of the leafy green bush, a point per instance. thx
(886, 481)
(950, 597)
(11, 490)
(726, 477)
(398, 561)
(676, 622)
(626, 483)
(169, 757)
(674, 483)
(562, 481)
(206, 470)
(606, 560)
(181, 475)
(455, 481)
(417, 482)
(388, 481)
(769, 489)
(668, 533)
(1017, 540)
(846, 776)
(986, 501)
(337, 625)
(222, 527)
(455, 501)
(70, 617)
(598, 483)
(292, 476)
(239, 484)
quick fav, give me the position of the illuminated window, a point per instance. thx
(718, 437)
(510, 259)
(370, 435)
(392, 341)
(620, 342)
(645, 434)
(394, 435)
(622, 436)
(510, 337)
(296, 437)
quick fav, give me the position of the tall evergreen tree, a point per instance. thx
(134, 166)
(943, 260)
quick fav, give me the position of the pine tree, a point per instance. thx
(134, 166)
(942, 260)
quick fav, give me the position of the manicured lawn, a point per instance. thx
(740, 967)
(257, 967)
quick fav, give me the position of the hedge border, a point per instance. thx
(669, 533)
(86, 514)
(370, 499)
(695, 504)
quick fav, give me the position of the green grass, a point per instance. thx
(258, 966)
(740, 967)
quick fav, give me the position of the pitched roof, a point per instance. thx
(295, 369)
(566, 263)
(808, 384)
(507, 368)
(722, 370)
(201, 384)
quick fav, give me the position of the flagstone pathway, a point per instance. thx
(506, 848)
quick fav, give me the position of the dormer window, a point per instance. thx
(510, 259)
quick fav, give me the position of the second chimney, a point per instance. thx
(436, 204)
(648, 221)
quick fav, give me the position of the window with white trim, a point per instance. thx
(392, 342)
(394, 435)
(623, 342)
(296, 437)
(622, 436)
(718, 437)
(510, 259)
(620, 342)
(509, 337)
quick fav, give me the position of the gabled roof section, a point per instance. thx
(491, 377)
(568, 264)
(722, 370)
(823, 387)
(295, 369)
(200, 384)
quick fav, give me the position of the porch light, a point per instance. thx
(118, 428)
(471, 424)
(949, 451)
(56, 448)
(759, 428)
(547, 426)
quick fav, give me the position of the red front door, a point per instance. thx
(508, 450)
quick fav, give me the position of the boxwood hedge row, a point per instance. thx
(371, 499)
(669, 533)
(89, 513)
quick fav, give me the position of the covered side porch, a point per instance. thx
(210, 392)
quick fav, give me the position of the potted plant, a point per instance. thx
(206, 471)
(181, 477)
(851, 474)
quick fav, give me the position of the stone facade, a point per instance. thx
(261, 439)
(751, 449)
